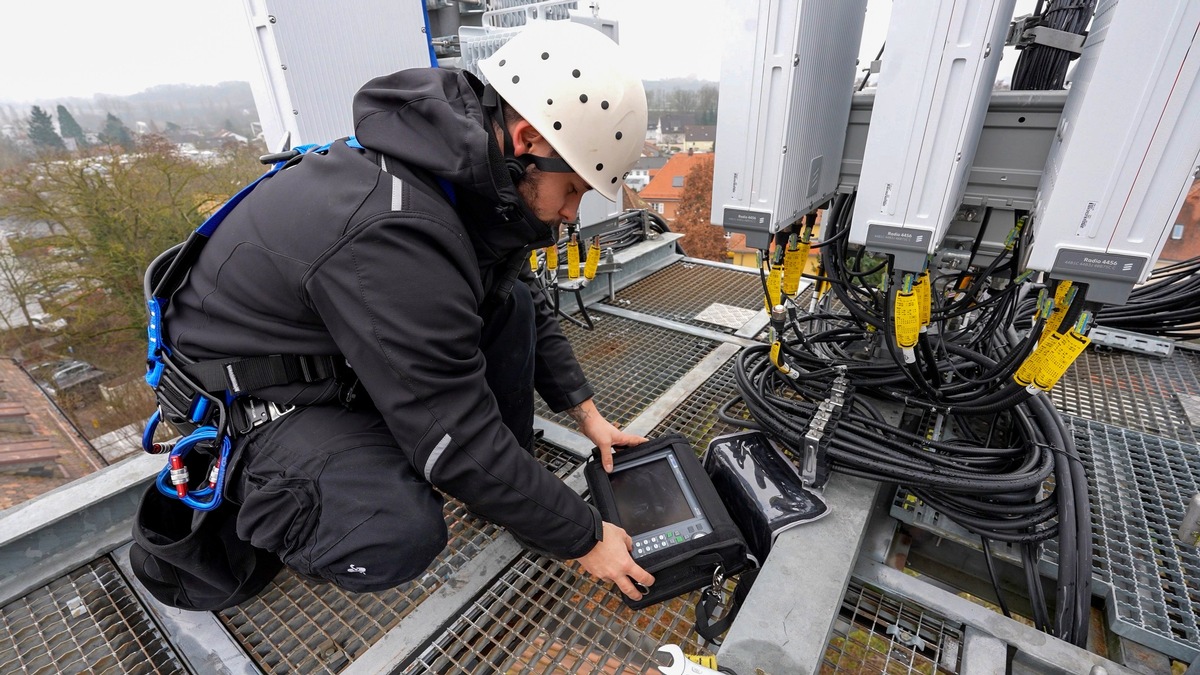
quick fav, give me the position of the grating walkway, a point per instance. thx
(696, 417)
(1139, 486)
(629, 364)
(298, 627)
(683, 290)
(88, 621)
(542, 616)
(1136, 391)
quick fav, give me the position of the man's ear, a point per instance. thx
(527, 139)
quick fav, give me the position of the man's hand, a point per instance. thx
(609, 560)
(601, 432)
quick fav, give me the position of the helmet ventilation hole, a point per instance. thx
(619, 135)
(599, 167)
(557, 126)
(575, 72)
(604, 105)
(516, 79)
(545, 55)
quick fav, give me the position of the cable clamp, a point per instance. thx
(1028, 30)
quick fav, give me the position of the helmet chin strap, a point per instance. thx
(518, 166)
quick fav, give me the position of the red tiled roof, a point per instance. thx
(662, 185)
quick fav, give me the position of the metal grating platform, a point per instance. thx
(297, 627)
(1136, 391)
(86, 621)
(696, 417)
(629, 364)
(1140, 485)
(542, 616)
(684, 289)
(875, 633)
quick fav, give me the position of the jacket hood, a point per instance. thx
(432, 120)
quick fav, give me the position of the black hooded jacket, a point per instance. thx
(386, 255)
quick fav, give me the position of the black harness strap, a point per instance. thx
(239, 375)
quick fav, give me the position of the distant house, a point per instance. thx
(226, 135)
(643, 171)
(670, 131)
(666, 187)
(699, 138)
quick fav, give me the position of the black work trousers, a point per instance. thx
(329, 491)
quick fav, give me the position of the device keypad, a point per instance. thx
(659, 541)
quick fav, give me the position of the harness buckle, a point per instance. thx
(253, 412)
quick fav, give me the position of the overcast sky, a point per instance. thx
(60, 48)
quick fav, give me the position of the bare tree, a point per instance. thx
(684, 100)
(111, 213)
(18, 285)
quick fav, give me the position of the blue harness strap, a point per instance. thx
(173, 480)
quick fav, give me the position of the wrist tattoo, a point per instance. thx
(579, 413)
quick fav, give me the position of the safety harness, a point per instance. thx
(198, 397)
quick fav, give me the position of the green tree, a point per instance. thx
(701, 238)
(42, 133)
(69, 127)
(116, 133)
(110, 215)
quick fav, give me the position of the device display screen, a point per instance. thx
(649, 497)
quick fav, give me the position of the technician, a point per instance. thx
(400, 259)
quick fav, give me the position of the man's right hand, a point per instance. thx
(610, 560)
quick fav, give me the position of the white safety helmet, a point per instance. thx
(567, 80)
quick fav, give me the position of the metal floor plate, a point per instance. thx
(1136, 391)
(297, 627)
(542, 616)
(1140, 485)
(88, 621)
(629, 364)
(684, 289)
(875, 633)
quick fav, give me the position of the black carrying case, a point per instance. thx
(689, 565)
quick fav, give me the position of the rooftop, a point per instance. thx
(661, 357)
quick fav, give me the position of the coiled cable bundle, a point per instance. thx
(977, 437)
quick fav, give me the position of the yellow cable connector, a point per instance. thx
(793, 265)
(593, 259)
(924, 297)
(552, 257)
(1028, 369)
(1063, 295)
(907, 319)
(533, 261)
(774, 279)
(777, 358)
(1011, 240)
(573, 257)
(1059, 351)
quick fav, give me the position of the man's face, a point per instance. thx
(553, 197)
